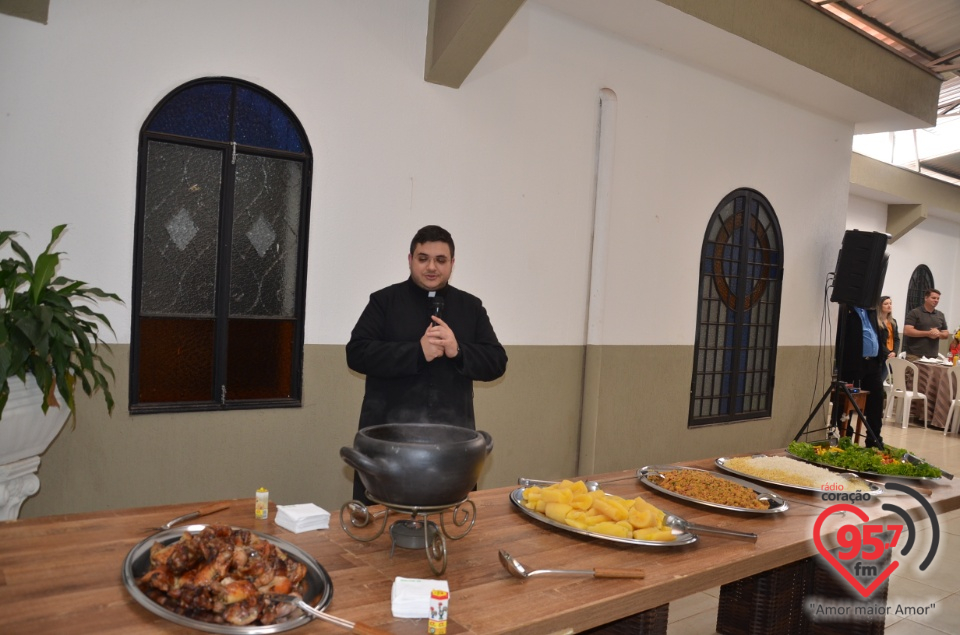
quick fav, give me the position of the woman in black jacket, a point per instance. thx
(888, 325)
(889, 331)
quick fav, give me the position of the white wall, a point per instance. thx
(685, 144)
(506, 162)
(932, 243)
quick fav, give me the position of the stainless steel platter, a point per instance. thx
(861, 472)
(721, 463)
(318, 591)
(683, 537)
(649, 476)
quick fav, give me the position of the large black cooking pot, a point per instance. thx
(418, 464)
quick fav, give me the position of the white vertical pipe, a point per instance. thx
(916, 149)
(589, 402)
(601, 214)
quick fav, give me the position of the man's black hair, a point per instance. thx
(431, 234)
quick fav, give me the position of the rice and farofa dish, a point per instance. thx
(787, 471)
(707, 487)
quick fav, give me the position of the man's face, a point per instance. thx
(931, 301)
(431, 265)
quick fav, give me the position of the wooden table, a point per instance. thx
(934, 382)
(62, 574)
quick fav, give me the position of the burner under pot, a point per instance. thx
(413, 534)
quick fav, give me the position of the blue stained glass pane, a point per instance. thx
(201, 112)
(262, 124)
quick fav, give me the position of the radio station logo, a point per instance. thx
(867, 554)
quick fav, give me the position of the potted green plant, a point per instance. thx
(45, 332)
(49, 339)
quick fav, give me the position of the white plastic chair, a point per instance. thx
(888, 391)
(954, 412)
(904, 392)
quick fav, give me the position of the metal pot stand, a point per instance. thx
(415, 532)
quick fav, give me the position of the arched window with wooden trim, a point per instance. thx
(920, 280)
(223, 199)
(741, 274)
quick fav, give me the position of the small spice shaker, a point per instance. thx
(262, 508)
(439, 603)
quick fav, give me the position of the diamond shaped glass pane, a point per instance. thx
(266, 225)
(180, 224)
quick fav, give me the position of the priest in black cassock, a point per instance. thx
(422, 343)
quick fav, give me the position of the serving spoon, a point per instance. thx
(592, 486)
(203, 511)
(517, 570)
(926, 491)
(355, 627)
(916, 460)
(679, 523)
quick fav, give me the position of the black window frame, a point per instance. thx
(230, 149)
(726, 377)
(920, 280)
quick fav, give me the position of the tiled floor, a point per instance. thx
(939, 584)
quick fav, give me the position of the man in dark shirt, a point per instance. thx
(422, 343)
(924, 327)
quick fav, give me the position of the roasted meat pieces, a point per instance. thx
(223, 575)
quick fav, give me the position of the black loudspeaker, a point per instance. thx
(861, 268)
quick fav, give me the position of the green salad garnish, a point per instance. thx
(849, 456)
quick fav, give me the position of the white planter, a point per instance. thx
(25, 434)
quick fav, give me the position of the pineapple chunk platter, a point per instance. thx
(571, 506)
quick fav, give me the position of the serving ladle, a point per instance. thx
(517, 570)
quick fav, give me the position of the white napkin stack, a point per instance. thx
(303, 517)
(410, 597)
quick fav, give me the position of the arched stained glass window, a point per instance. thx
(221, 248)
(741, 273)
(920, 280)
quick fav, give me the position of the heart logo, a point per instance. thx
(849, 577)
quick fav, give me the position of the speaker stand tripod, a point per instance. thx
(838, 388)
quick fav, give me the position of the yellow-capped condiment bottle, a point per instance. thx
(439, 603)
(262, 508)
